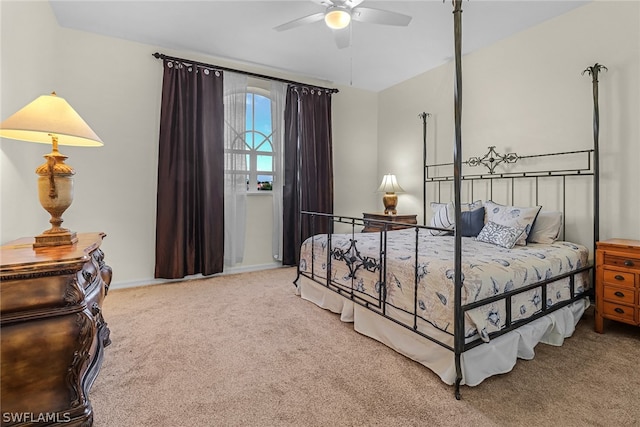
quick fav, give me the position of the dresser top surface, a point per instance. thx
(389, 217)
(20, 253)
(619, 244)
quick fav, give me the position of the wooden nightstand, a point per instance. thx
(399, 222)
(617, 282)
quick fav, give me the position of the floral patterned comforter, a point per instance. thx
(487, 270)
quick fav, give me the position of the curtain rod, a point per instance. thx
(260, 76)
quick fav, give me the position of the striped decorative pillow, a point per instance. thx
(444, 216)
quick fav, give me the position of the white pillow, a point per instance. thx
(546, 228)
(512, 216)
(444, 215)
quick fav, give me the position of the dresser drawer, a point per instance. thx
(622, 261)
(619, 295)
(619, 278)
(623, 312)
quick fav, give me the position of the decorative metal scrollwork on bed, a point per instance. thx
(354, 260)
(492, 159)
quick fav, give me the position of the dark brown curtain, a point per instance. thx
(308, 159)
(190, 202)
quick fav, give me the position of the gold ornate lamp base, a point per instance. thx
(390, 201)
(66, 237)
(55, 191)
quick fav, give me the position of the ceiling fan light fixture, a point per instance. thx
(337, 18)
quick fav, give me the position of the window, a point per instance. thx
(253, 145)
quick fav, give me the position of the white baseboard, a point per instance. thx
(227, 270)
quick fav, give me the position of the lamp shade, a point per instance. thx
(337, 18)
(390, 185)
(49, 115)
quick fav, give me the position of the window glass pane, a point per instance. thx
(262, 115)
(263, 143)
(265, 182)
(238, 143)
(265, 163)
(237, 162)
(249, 140)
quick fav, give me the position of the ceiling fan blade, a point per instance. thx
(325, 3)
(352, 3)
(309, 19)
(377, 16)
(342, 37)
(349, 4)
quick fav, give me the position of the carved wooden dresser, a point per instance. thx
(52, 330)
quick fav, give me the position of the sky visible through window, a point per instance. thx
(259, 133)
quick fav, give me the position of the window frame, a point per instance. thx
(252, 154)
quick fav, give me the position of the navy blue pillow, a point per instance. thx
(472, 222)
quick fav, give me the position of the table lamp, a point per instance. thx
(390, 187)
(51, 120)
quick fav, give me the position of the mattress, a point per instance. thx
(353, 263)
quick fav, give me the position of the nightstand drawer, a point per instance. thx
(619, 278)
(622, 261)
(619, 295)
(623, 312)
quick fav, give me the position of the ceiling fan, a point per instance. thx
(339, 14)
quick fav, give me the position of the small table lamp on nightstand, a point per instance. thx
(390, 187)
(51, 120)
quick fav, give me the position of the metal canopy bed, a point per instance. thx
(463, 306)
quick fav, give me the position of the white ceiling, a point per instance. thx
(379, 56)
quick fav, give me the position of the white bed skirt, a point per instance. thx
(496, 357)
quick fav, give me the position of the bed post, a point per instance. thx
(457, 172)
(424, 116)
(593, 72)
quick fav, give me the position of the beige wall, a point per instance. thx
(526, 94)
(115, 85)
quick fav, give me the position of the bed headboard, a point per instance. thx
(565, 183)
(505, 178)
(514, 179)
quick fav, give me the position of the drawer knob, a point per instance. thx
(628, 263)
(619, 294)
(619, 310)
(619, 277)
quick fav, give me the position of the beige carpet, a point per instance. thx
(244, 350)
